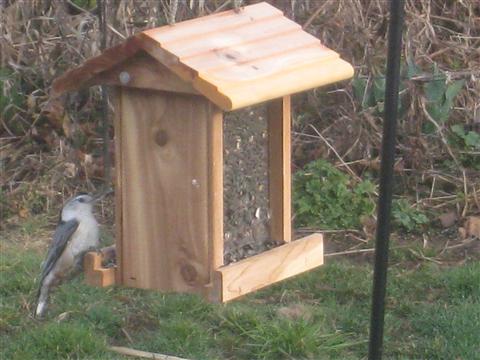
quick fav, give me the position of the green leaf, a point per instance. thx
(363, 93)
(359, 86)
(406, 216)
(458, 130)
(453, 89)
(365, 187)
(428, 128)
(379, 89)
(437, 112)
(412, 68)
(435, 90)
(444, 111)
(472, 139)
(328, 198)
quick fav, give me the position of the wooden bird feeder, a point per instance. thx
(171, 86)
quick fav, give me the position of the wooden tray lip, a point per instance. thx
(259, 271)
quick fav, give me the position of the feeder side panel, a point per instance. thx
(164, 156)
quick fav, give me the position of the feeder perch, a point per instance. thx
(171, 86)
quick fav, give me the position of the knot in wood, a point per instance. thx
(189, 273)
(161, 137)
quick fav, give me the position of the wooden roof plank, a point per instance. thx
(235, 59)
(217, 22)
(145, 72)
(85, 74)
(233, 37)
(277, 84)
(261, 69)
(235, 56)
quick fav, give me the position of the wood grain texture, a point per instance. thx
(165, 201)
(279, 168)
(95, 273)
(215, 180)
(84, 75)
(224, 56)
(193, 48)
(203, 27)
(269, 267)
(285, 81)
(116, 98)
(144, 72)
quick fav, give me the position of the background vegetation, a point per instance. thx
(50, 150)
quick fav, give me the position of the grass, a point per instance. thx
(432, 313)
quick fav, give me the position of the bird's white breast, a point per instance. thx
(85, 237)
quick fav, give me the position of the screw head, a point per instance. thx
(124, 77)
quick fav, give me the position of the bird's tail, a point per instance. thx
(41, 299)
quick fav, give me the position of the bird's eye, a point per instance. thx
(82, 200)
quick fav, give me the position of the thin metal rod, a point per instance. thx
(386, 179)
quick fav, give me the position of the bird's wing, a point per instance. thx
(63, 233)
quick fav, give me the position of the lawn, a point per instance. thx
(433, 312)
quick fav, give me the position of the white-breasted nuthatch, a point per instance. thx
(76, 233)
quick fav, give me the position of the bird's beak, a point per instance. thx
(101, 195)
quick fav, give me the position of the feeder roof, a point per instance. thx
(235, 59)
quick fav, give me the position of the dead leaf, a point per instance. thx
(54, 110)
(23, 213)
(70, 170)
(67, 126)
(472, 226)
(295, 312)
(31, 102)
(369, 225)
(448, 219)
(63, 316)
(87, 159)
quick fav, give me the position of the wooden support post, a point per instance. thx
(215, 193)
(279, 164)
(117, 124)
(215, 181)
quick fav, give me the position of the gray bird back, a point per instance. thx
(62, 236)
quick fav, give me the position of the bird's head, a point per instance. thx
(79, 205)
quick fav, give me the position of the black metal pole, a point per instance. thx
(104, 98)
(386, 179)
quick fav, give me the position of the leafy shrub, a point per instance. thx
(407, 217)
(440, 94)
(327, 198)
(469, 142)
